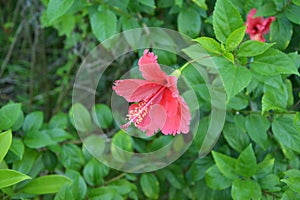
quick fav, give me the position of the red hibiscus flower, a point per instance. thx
(157, 103)
(258, 26)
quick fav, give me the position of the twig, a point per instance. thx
(11, 48)
(33, 63)
(295, 105)
(115, 178)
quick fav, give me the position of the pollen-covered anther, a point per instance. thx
(138, 113)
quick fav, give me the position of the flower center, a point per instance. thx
(139, 111)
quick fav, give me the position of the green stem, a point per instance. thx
(115, 178)
(247, 112)
(178, 72)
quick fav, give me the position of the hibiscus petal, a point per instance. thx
(125, 88)
(154, 121)
(178, 118)
(135, 90)
(170, 103)
(267, 23)
(185, 116)
(158, 116)
(251, 13)
(258, 26)
(147, 58)
(172, 125)
(146, 91)
(258, 37)
(150, 69)
(152, 72)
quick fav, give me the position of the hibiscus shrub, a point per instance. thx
(253, 45)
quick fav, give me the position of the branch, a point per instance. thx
(11, 48)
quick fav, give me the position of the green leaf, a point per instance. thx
(226, 19)
(165, 57)
(71, 157)
(160, 143)
(104, 24)
(229, 56)
(270, 183)
(267, 9)
(273, 62)
(197, 171)
(225, 164)
(235, 38)
(293, 179)
(102, 115)
(27, 163)
(175, 176)
(179, 3)
(290, 194)
(33, 121)
(210, 44)
(78, 186)
(149, 3)
(235, 136)
(216, 180)
(238, 102)
(274, 98)
(201, 4)
(9, 115)
(265, 167)
(45, 184)
(128, 24)
(165, 3)
(64, 193)
(11, 177)
(65, 25)
(253, 48)
(5, 142)
(248, 5)
(286, 133)
(17, 147)
(94, 171)
(121, 146)
(257, 126)
(150, 185)
(296, 2)
(289, 87)
(59, 121)
(123, 186)
(189, 22)
(292, 13)
(245, 189)
(123, 5)
(57, 134)
(246, 163)
(235, 79)
(104, 193)
(37, 139)
(50, 160)
(95, 145)
(280, 5)
(57, 8)
(80, 118)
(297, 121)
(281, 32)
(19, 123)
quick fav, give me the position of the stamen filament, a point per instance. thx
(143, 108)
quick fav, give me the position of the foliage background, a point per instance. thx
(44, 42)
